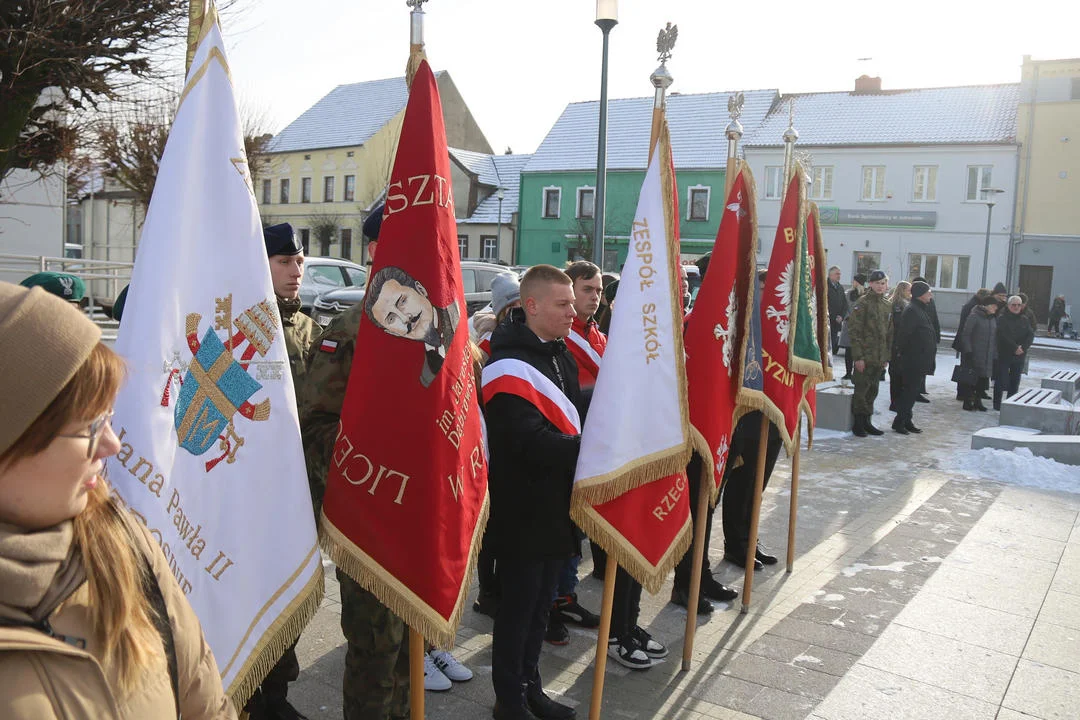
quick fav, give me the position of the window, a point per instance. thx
(489, 247)
(978, 181)
(698, 205)
(924, 184)
(463, 246)
(305, 190)
(328, 189)
(468, 280)
(325, 277)
(867, 262)
(821, 183)
(266, 192)
(941, 271)
(552, 201)
(284, 192)
(484, 280)
(350, 188)
(305, 240)
(873, 182)
(774, 184)
(586, 202)
(357, 277)
(346, 245)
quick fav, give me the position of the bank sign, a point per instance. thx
(878, 218)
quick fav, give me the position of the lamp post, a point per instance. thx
(988, 198)
(607, 17)
(498, 231)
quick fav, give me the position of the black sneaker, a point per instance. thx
(648, 645)
(556, 633)
(628, 654)
(682, 599)
(739, 559)
(922, 399)
(567, 607)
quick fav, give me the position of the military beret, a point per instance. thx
(877, 275)
(281, 240)
(62, 285)
(374, 223)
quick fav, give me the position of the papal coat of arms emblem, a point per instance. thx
(216, 384)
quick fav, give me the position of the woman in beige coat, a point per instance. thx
(92, 622)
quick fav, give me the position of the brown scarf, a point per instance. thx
(38, 570)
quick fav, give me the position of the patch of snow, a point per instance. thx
(807, 659)
(838, 623)
(853, 570)
(1014, 467)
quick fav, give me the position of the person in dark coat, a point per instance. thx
(978, 348)
(858, 287)
(530, 476)
(838, 307)
(915, 338)
(963, 390)
(931, 308)
(899, 299)
(1014, 337)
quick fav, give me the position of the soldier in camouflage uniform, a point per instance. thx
(871, 337)
(286, 255)
(376, 681)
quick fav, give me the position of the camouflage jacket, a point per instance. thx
(870, 329)
(321, 393)
(300, 332)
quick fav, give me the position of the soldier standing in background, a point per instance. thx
(871, 338)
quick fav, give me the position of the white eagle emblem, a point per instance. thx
(722, 453)
(724, 331)
(783, 292)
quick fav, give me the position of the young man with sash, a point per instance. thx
(531, 396)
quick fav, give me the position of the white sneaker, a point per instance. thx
(449, 666)
(434, 680)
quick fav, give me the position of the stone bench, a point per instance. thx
(1067, 381)
(1062, 448)
(834, 406)
(1040, 409)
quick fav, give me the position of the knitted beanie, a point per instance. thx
(45, 340)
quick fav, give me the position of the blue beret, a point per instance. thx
(281, 240)
(374, 223)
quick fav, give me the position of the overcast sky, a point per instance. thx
(519, 62)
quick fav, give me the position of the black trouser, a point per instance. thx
(1007, 382)
(738, 499)
(849, 361)
(625, 606)
(834, 338)
(909, 393)
(275, 686)
(485, 567)
(896, 383)
(520, 624)
(686, 565)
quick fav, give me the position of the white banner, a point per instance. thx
(211, 457)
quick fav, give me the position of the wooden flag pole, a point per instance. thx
(698, 558)
(602, 635)
(416, 675)
(759, 484)
(793, 511)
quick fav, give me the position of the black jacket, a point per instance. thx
(1013, 331)
(531, 468)
(964, 312)
(838, 304)
(914, 342)
(894, 318)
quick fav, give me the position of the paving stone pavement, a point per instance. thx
(914, 594)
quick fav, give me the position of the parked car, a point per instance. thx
(476, 278)
(323, 274)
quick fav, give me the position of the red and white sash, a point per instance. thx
(588, 360)
(485, 343)
(517, 377)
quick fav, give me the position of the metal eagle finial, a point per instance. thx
(735, 105)
(416, 4)
(665, 42)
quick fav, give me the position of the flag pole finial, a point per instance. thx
(416, 39)
(661, 79)
(791, 135)
(734, 133)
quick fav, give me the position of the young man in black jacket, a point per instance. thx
(532, 403)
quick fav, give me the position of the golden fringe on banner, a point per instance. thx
(605, 535)
(604, 488)
(392, 593)
(278, 638)
(416, 56)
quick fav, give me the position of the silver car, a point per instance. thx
(323, 274)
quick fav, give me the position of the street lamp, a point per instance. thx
(498, 231)
(607, 17)
(988, 198)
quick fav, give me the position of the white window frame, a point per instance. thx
(330, 180)
(349, 193)
(463, 252)
(935, 282)
(486, 242)
(979, 187)
(818, 184)
(877, 178)
(774, 182)
(544, 205)
(929, 184)
(580, 191)
(690, 190)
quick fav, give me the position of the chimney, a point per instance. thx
(867, 84)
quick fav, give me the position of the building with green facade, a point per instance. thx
(557, 193)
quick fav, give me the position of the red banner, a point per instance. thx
(409, 468)
(717, 330)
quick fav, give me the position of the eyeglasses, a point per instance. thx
(93, 433)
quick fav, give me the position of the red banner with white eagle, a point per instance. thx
(408, 469)
(717, 330)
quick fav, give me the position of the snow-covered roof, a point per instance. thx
(346, 116)
(479, 164)
(696, 122)
(505, 170)
(925, 116)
